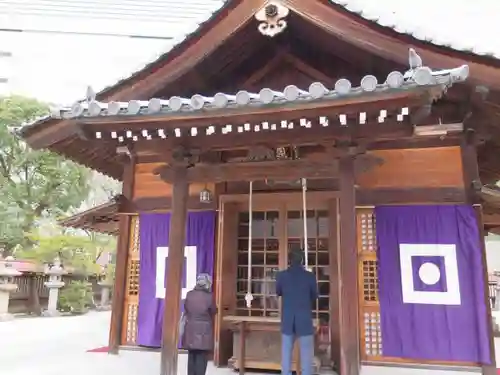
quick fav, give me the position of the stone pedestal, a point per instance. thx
(106, 286)
(7, 286)
(55, 272)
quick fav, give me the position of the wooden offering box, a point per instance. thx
(258, 341)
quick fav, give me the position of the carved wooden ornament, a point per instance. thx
(272, 18)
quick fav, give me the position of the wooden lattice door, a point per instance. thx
(371, 344)
(131, 303)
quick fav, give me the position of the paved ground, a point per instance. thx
(58, 346)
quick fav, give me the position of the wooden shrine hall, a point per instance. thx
(291, 120)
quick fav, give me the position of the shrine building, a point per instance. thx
(299, 124)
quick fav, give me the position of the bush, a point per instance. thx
(76, 297)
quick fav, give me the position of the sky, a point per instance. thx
(59, 47)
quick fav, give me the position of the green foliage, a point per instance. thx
(33, 183)
(78, 252)
(76, 297)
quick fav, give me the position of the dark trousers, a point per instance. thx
(197, 362)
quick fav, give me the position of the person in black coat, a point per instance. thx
(198, 337)
(298, 290)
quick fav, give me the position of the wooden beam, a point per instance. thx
(364, 197)
(122, 250)
(252, 171)
(165, 203)
(381, 196)
(171, 314)
(490, 369)
(349, 328)
(274, 63)
(415, 142)
(283, 137)
(307, 69)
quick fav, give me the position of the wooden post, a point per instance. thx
(242, 352)
(349, 330)
(118, 305)
(171, 315)
(227, 265)
(492, 368)
(335, 313)
(470, 168)
(470, 171)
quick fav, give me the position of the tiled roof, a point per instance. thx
(469, 29)
(462, 25)
(414, 77)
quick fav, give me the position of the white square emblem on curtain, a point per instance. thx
(451, 295)
(191, 265)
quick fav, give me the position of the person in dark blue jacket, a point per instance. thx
(298, 290)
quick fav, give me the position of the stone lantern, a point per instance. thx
(106, 284)
(55, 272)
(7, 286)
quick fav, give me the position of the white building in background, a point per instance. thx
(53, 49)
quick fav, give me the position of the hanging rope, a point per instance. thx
(304, 216)
(249, 296)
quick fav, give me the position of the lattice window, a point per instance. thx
(318, 254)
(134, 248)
(370, 280)
(372, 334)
(131, 326)
(129, 334)
(369, 308)
(133, 277)
(265, 263)
(366, 229)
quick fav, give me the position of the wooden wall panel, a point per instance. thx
(407, 168)
(148, 185)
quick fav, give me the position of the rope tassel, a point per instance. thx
(249, 296)
(304, 217)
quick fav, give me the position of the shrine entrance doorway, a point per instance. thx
(277, 227)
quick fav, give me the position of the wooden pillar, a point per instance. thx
(171, 315)
(492, 368)
(335, 313)
(227, 262)
(471, 177)
(470, 168)
(242, 353)
(118, 305)
(349, 330)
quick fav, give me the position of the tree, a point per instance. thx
(79, 252)
(33, 183)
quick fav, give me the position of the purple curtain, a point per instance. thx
(198, 258)
(431, 285)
